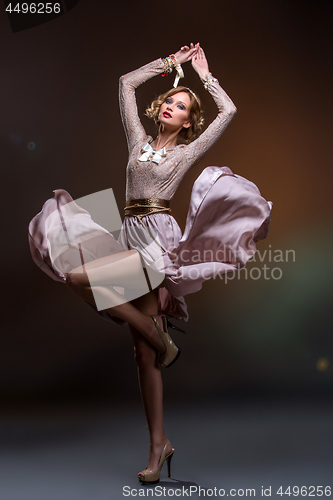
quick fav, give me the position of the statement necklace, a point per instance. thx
(151, 154)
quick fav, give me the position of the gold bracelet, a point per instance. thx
(168, 66)
(207, 82)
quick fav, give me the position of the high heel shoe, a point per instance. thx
(153, 476)
(172, 352)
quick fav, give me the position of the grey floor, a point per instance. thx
(92, 454)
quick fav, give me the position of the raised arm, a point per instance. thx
(127, 102)
(196, 150)
(128, 83)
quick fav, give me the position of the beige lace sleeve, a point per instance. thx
(197, 149)
(127, 102)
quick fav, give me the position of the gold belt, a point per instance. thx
(145, 206)
(140, 207)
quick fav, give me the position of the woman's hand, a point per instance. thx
(185, 53)
(199, 62)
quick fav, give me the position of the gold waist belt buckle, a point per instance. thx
(146, 206)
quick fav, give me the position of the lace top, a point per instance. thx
(148, 179)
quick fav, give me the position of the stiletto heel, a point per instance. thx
(168, 459)
(172, 352)
(170, 325)
(153, 476)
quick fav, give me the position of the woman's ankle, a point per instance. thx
(158, 441)
(156, 339)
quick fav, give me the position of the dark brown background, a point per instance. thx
(59, 89)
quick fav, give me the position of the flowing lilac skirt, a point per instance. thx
(226, 217)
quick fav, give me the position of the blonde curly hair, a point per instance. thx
(196, 115)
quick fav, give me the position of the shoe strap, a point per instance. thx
(164, 451)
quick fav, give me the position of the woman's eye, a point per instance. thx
(181, 106)
(168, 101)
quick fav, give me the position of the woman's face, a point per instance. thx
(174, 112)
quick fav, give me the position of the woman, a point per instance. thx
(226, 217)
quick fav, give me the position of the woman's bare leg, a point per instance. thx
(121, 269)
(150, 381)
(126, 311)
(92, 283)
(146, 344)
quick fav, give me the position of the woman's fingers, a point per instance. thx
(188, 52)
(192, 51)
(192, 46)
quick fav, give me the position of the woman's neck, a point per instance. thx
(165, 139)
